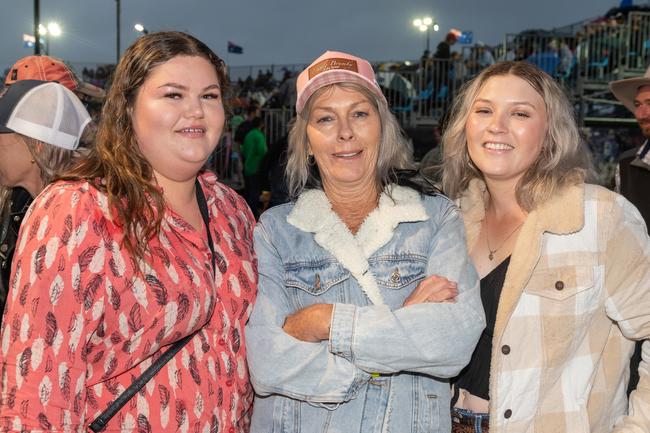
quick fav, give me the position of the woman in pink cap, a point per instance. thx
(349, 334)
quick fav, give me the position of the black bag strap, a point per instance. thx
(100, 422)
(203, 207)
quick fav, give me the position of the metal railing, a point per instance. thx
(277, 122)
(276, 72)
(552, 52)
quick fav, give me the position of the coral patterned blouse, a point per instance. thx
(81, 323)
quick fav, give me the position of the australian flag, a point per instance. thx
(234, 48)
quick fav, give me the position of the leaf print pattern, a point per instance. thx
(55, 290)
(86, 256)
(143, 424)
(39, 259)
(67, 230)
(43, 422)
(183, 306)
(50, 328)
(180, 413)
(135, 319)
(83, 318)
(64, 381)
(25, 360)
(90, 291)
(222, 264)
(235, 340)
(159, 290)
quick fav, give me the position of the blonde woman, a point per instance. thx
(350, 333)
(564, 265)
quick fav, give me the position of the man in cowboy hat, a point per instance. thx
(633, 171)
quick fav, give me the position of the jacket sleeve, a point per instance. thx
(627, 279)
(50, 315)
(433, 338)
(281, 364)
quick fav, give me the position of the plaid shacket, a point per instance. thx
(576, 295)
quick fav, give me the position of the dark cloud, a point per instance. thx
(281, 31)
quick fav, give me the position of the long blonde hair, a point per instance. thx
(564, 159)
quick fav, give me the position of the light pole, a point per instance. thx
(37, 20)
(140, 28)
(424, 24)
(117, 33)
(53, 28)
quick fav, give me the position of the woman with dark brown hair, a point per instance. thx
(136, 252)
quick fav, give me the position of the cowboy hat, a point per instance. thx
(625, 90)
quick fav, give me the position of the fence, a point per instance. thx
(584, 57)
(614, 49)
(552, 52)
(277, 122)
(276, 71)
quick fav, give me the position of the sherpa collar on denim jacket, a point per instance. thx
(313, 213)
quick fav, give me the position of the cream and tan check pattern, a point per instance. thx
(576, 296)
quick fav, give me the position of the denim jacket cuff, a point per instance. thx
(342, 330)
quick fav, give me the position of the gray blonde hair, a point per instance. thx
(564, 159)
(51, 160)
(395, 152)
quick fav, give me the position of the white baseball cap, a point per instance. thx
(43, 110)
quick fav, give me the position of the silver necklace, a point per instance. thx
(487, 237)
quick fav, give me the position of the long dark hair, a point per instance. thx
(115, 165)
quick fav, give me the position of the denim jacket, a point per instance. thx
(385, 367)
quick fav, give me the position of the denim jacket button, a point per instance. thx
(317, 281)
(395, 277)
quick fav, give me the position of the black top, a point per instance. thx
(475, 378)
(635, 181)
(10, 220)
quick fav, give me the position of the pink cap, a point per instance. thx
(335, 67)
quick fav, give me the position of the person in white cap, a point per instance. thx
(14, 202)
(632, 177)
(40, 127)
(349, 333)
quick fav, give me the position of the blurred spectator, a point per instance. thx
(14, 199)
(253, 150)
(253, 112)
(443, 50)
(286, 93)
(275, 164)
(480, 58)
(40, 129)
(458, 72)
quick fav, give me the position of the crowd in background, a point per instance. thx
(186, 267)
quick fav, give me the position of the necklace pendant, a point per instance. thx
(491, 256)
